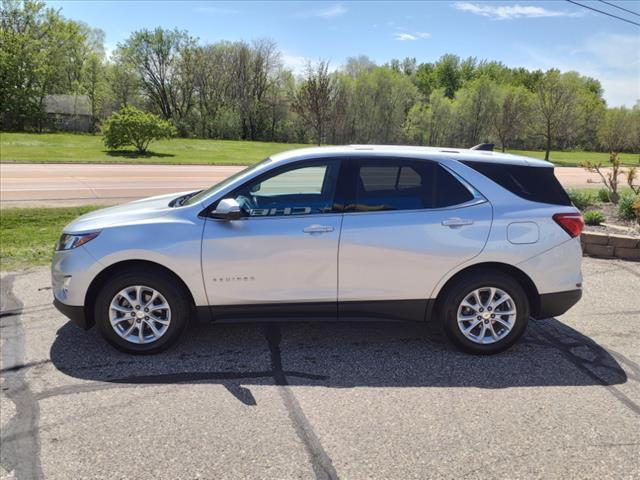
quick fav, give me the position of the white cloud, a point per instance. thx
(509, 12)
(295, 63)
(403, 36)
(610, 58)
(298, 63)
(325, 12)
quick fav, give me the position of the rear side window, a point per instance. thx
(404, 184)
(537, 184)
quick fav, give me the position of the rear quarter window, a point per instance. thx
(537, 184)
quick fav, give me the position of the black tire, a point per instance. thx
(173, 293)
(455, 293)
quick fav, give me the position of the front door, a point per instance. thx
(283, 254)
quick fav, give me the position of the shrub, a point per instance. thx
(609, 178)
(636, 208)
(626, 209)
(603, 195)
(131, 126)
(593, 217)
(580, 199)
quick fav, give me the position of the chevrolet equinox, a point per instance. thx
(477, 240)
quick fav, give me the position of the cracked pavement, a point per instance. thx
(333, 400)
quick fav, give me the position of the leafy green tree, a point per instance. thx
(95, 85)
(614, 131)
(514, 106)
(447, 74)
(477, 105)
(134, 127)
(123, 83)
(37, 59)
(555, 110)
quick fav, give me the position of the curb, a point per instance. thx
(605, 245)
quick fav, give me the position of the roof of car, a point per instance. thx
(431, 153)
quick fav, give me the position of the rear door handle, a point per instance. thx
(457, 222)
(318, 229)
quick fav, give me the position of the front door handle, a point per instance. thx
(457, 222)
(318, 229)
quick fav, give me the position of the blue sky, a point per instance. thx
(532, 34)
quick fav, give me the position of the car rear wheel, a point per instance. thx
(141, 313)
(484, 312)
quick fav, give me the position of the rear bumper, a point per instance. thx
(73, 312)
(554, 304)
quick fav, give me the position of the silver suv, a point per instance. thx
(476, 240)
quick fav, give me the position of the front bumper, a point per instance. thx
(74, 313)
(554, 304)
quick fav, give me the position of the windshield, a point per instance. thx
(219, 186)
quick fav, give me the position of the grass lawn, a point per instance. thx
(575, 159)
(28, 235)
(66, 147)
(81, 148)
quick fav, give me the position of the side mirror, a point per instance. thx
(227, 209)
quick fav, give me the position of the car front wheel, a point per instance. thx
(141, 313)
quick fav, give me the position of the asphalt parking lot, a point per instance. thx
(363, 400)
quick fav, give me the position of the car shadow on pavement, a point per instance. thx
(338, 355)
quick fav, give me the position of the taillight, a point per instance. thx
(572, 223)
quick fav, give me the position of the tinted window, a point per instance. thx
(400, 184)
(537, 184)
(449, 190)
(302, 190)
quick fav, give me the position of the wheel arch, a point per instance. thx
(533, 296)
(123, 266)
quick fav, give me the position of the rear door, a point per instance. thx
(408, 223)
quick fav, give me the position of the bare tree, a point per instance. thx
(163, 59)
(313, 99)
(255, 69)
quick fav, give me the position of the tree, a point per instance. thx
(39, 56)
(614, 131)
(213, 82)
(162, 59)
(512, 112)
(123, 83)
(555, 107)
(477, 105)
(95, 85)
(134, 127)
(314, 97)
(447, 74)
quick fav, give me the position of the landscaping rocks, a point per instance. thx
(606, 245)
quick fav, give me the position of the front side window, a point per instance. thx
(300, 190)
(405, 184)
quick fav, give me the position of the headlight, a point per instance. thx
(68, 241)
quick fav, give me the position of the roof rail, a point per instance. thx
(488, 147)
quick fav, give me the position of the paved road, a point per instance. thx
(70, 184)
(365, 400)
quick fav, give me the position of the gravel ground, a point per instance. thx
(364, 400)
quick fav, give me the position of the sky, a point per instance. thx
(531, 34)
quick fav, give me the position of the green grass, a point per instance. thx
(28, 235)
(79, 148)
(575, 158)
